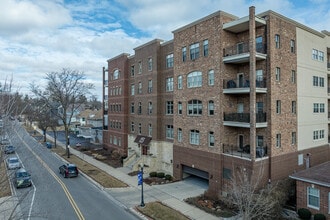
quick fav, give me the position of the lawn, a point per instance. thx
(4, 181)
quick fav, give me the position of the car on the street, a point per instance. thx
(9, 149)
(69, 170)
(22, 178)
(5, 141)
(13, 163)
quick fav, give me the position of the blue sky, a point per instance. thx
(42, 36)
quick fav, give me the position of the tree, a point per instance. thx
(64, 94)
(253, 200)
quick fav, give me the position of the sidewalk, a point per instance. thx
(172, 194)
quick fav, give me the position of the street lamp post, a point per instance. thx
(68, 146)
(141, 182)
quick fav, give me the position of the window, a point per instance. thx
(211, 78)
(293, 76)
(300, 159)
(140, 67)
(149, 64)
(169, 60)
(179, 135)
(294, 107)
(278, 106)
(259, 46)
(315, 135)
(150, 130)
(194, 79)
(132, 89)
(316, 107)
(321, 134)
(260, 141)
(150, 108)
(140, 108)
(211, 139)
(184, 54)
(321, 79)
(195, 107)
(132, 127)
(293, 138)
(211, 107)
(292, 46)
(277, 41)
(278, 140)
(116, 74)
(240, 48)
(226, 173)
(194, 137)
(140, 128)
(132, 108)
(150, 86)
(205, 48)
(313, 198)
(321, 107)
(315, 54)
(169, 84)
(169, 131)
(278, 74)
(315, 81)
(180, 108)
(140, 88)
(169, 107)
(321, 56)
(194, 51)
(132, 71)
(180, 82)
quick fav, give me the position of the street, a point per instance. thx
(52, 196)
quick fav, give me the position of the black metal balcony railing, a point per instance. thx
(234, 83)
(245, 151)
(244, 117)
(243, 48)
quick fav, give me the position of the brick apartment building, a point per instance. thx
(226, 92)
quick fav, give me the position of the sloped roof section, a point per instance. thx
(319, 174)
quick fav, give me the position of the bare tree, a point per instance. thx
(67, 91)
(252, 199)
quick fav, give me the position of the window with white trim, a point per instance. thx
(133, 89)
(179, 108)
(195, 107)
(132, 127)
(150, 108)
(278, 74)
(294, 107)
(277, 41)
(293, 76)
(149, 64)
(205, 48)
(169, 131)
(132, 71)
(140, 108)
(313, 198)
(194, 79)
(180, 82)
(318, 135)
(140, 88)
(140, 67)
(278, 106)
(194, 51)
(150, 130)
(211, 78)
(293, 138)
(169, 84)
(211, 139)
(211, 107)
(292, 46)
(194, 137)
(278, 140)
(169, 60)
(184, 54)
(169, 107)
(116, 74)
(150, 86)
(132, 108)
(179, 135)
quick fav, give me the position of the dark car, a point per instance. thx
(9, 149)
(22, 178)
(69, 170)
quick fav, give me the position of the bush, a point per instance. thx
(304, 213)
(319, 216)
(168, 177)
(160, 175)
(153, 174)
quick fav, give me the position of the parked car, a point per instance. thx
(5, 141)
(22, 178)
(9, 149)
(69, 170)
(13, 163)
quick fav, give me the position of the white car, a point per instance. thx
(13, 163)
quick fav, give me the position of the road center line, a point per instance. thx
(65, 189)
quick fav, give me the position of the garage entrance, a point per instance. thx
(195, 172)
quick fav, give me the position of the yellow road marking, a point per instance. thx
(65, 189)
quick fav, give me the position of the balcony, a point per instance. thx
(240, 86)
(242, 120)
(242, 24)
(240, 53)
(244, 152)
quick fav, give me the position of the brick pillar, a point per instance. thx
(252, 47)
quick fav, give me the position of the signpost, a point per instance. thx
(140, 182)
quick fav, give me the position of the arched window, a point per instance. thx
(116, 74)
(194, 79)
(195, 107)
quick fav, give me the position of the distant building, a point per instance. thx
(226, 92)
(90, 125)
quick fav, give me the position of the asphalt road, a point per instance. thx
(52, 196)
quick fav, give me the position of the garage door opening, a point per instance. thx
(195, 176)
